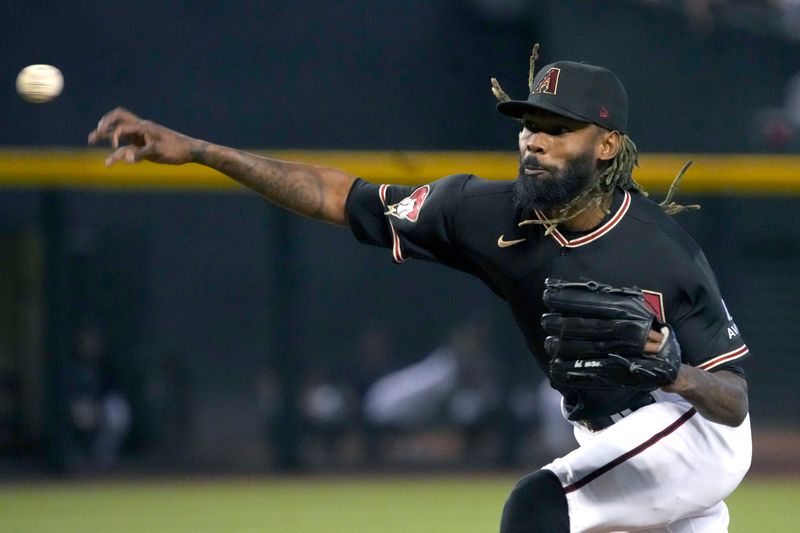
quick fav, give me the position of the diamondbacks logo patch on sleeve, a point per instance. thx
(409, 207)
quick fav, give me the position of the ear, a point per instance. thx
(609, 144)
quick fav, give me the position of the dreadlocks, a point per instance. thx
(617, 173)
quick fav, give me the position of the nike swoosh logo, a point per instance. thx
(505, 244)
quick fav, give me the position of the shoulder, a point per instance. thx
(477, 186)
(680, 257)
(489, 197)
(470, 195)
(471, 186)
(652, 219)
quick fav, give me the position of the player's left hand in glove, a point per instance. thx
(597, 337)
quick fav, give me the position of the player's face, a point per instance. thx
(557, 160)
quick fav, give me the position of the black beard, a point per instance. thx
(554, 189)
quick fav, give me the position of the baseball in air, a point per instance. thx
(39, 83)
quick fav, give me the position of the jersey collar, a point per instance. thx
(595, 234)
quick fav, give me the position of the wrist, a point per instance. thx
(683, 383)
(198, 151)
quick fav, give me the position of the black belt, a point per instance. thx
(599, 423)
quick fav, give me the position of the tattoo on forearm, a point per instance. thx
(721, 398)
(296, 187)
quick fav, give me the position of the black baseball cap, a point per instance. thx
(576, 90)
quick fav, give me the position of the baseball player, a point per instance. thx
(617, 303)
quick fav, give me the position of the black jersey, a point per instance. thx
(471, 224)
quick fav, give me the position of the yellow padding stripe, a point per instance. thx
(741, 173)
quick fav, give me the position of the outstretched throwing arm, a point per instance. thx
(310, 190)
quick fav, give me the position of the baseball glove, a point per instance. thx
(597, 334)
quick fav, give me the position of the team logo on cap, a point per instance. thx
(408, 208)
(549, 83)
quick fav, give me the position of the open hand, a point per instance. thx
(135, 139)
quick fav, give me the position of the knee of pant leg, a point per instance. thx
(537, 503)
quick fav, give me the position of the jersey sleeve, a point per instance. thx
(419, 222)
(708, 336)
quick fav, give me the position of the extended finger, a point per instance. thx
(109, 122)
(129, 154)
(119, 154)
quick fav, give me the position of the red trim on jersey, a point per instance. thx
(397, 254)
(631, 453)
(596, 234)
(724, 358)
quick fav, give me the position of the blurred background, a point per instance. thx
(161, 320)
